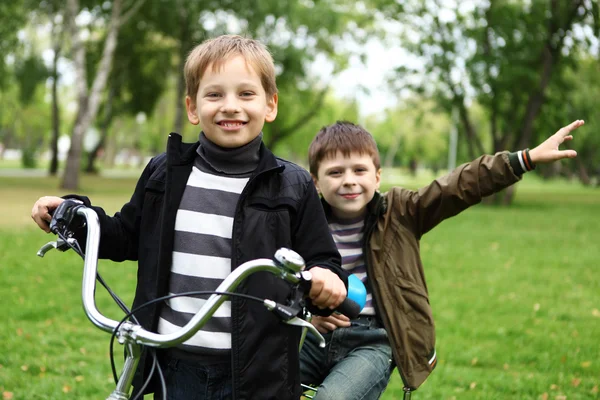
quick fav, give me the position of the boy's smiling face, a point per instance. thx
(348, 183)
(231, 105)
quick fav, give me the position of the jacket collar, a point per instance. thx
(179, 153)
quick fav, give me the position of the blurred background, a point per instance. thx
(90, 90)
(88, 86)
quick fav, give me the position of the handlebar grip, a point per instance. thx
(355, 300)
(64, 214)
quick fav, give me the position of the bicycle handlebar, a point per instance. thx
(287, 265)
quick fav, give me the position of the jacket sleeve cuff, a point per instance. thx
(513, 158)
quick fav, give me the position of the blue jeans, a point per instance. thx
(189, 380)
(356, 362)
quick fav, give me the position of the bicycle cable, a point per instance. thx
(153, 351)
(130, 314)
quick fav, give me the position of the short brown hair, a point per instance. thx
(345, 137)
(216, 51)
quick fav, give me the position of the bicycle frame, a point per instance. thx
(287, 265)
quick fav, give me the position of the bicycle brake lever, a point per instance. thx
(304, 324)
(288, 316)
(58, 244)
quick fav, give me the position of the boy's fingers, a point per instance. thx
(571, 127)
(568, 154)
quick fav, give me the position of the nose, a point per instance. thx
(349, 179)
(230, 105)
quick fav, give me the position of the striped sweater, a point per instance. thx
(202, 244)
(348, 237)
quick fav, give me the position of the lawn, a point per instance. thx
(515, 293)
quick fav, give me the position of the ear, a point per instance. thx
(316, 182)
(192, 112)
(377, 179)
(272, 108)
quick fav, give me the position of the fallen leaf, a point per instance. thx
(78, 378)
(7, 395)
(506, 367)
(474, 361)
(553, 387)
(575, 382)
(66, 389)
(536, 307)
(544, 396)
(24, 367)
(472, 385)
(560, 397)
(594, 389)
(596, 312)
(42, 368)
(586, 364)
(83, 351)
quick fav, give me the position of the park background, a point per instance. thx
(89, 91)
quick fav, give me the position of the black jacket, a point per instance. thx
(279, 207)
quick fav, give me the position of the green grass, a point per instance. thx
(515, 293)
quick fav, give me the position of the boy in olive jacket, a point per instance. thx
(378, 238)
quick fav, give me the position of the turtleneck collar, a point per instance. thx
(238, 160)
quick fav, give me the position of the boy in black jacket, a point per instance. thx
(200, 210)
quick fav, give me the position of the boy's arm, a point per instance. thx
(119, 234)
(314, 243)
(470, 182)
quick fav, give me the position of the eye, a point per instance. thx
(334, 173)
(361, 170)
(213, 95)
(247, 94)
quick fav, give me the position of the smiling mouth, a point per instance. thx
(350, 195)
(231, 124)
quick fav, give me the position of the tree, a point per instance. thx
(89, 99)
(501, 55)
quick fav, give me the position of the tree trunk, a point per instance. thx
(390, 155)
(88, 102)
(184, 47)
(104, 130)
(53, 170)
(584, 176)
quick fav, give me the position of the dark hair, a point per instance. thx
(345, 137)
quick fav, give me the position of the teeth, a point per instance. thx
(231, 124)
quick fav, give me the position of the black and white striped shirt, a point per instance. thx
(202, 244)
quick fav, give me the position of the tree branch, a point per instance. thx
(126, 16)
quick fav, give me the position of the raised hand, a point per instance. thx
(548, 151)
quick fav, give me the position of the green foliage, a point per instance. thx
(501, 55)
(413, 132)
(12, 18)
(30, 72)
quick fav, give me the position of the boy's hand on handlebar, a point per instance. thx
(327, 289)
(41, 211)
(331, 323)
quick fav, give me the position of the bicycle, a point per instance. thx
(286, 264)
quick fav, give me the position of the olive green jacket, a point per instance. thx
(394, 226)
